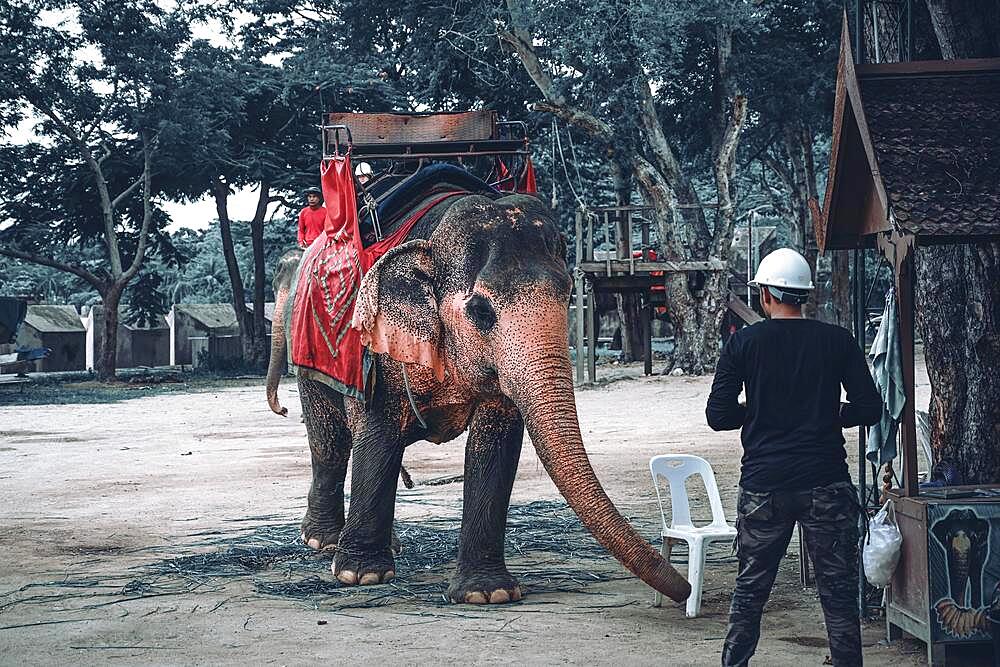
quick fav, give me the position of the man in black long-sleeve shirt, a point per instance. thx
(794, 466)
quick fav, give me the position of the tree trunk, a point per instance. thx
(631, 326)
(697, 322)
(840, 282)
(259, 348)
(800, 179)
(958, 297)
(958, 293)
(220, 191)
(106, 364)
(966, 28)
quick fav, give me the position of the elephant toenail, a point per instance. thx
(499, 596)
(347, 577)
(369, 578)
(313, 543)
(388, 576)
(475, 598)
(516, 595)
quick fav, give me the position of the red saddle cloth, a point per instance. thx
(326, 289)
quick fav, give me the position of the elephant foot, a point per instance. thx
(323, 536)
(320, 535)
(489, 586)
(357, 568)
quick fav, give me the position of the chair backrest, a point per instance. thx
(676, 468)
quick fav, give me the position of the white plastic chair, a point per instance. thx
(676, 468)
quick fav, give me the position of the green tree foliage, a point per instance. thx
(203, 276)
(195, 272)
(94, 84)
(678, 105)
(251, 118)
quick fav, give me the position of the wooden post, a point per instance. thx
(579, 237)
(647, 336)
(588, 248)
(628, 245)
(581, 308)
(805, 574)
(647, 255)
(581, 313)
(591, 337)
(858, 283)
(607, 240)
(905, 275)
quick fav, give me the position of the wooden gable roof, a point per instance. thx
(916, 146)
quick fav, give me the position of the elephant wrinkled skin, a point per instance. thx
(474, 308)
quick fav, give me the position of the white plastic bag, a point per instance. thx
(881, 552)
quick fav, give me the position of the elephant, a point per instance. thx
(467, 324)
(965, 538)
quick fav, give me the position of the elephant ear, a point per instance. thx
(397, 312)
(941, 529)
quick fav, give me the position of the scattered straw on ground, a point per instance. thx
(548, 550)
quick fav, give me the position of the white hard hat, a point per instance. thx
(784, 268)
(363, 169)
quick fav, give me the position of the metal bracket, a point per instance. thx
(337, 129)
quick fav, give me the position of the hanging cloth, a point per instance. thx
(887, 371)
(527, 184)
(323, 344)
(327, 287)
(339, 197)
(505, 182)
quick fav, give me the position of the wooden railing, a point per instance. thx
(629, 233)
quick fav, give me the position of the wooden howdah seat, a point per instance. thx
(373, 136)
(415, 156)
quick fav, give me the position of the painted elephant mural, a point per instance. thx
(471, 315)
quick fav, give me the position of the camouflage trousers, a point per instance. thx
(828, 519)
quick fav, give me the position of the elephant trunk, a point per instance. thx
(277, 365)
(540, 383)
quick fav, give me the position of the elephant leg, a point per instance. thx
(491, 457)
(330, 450)
(364, 554)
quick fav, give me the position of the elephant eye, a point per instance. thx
(479, 310)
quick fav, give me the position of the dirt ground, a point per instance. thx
(94, 490)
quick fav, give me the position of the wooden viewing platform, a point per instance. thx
(630, 266)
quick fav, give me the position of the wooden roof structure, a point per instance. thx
(915, 160)
(916, 150)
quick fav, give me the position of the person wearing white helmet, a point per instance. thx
(786, 276)
(794, 467)
(363, 172)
